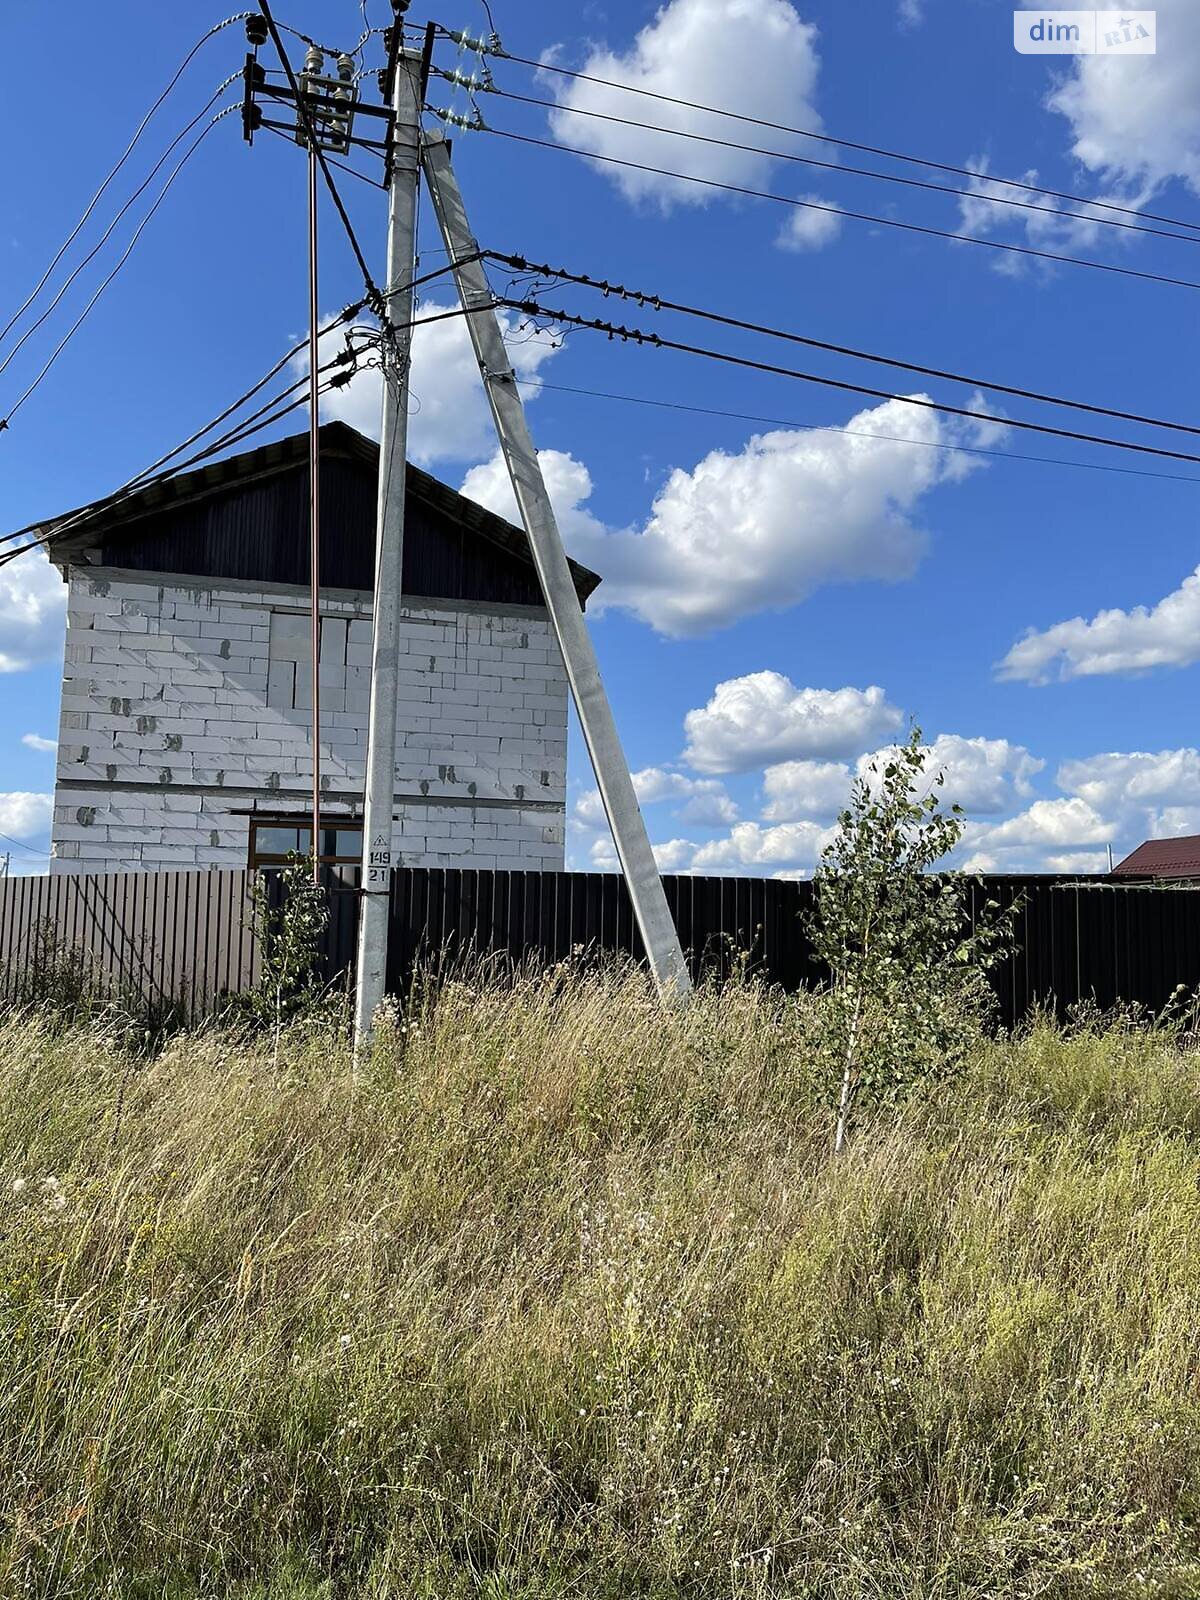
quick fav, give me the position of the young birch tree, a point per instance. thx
(908, 990)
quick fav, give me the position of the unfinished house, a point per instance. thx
(185, 737)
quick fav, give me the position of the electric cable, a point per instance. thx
(92, 203)
(834, 166)
(842, 211)
(639, 336)
(659, 303)
(108, 232)
(121, 260)
(848, 144)
(857, 433)
(240, 431)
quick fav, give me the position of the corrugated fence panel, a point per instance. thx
(186, 938)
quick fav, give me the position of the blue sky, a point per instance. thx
(778, 602)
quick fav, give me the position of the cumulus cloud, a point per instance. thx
(980, 775)
(449, 418)
(755, 56)
(749, 845)
(705, 802)
(1055, 823)
(35, 742)
(1124, 780)
(568, 483)
(1114, 641)
(762, 528)
(673, 855)
(764, 718)
(796, 789)
(810, 227)
(1136, 119)
(24, 815)
(33, 601)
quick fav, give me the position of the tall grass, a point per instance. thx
(563, 1297)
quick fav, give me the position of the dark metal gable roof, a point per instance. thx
(184, 524)
(1162, 858)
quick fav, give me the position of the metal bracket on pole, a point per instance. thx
(380, 785)
(558, 588)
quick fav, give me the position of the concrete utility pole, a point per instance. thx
(380, 785)
(558, 588)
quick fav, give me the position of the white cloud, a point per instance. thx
(673, 855)
(795, 789)
(808, 227)
(755, 56)
(763, 528)
(912, 13)
(449, 418)
(1082, 861)
(1046, 823)
(1048, 224)
(980, 775)
(35, 741)
(568, 483)
(24, 815)
(33, 602)
(1164, 635)
(790, 844)
(1137, 779)
(706, 802)
(763, 717)
(1136, 119)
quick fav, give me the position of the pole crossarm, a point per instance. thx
(650, 908)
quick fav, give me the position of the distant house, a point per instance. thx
(1162, 858)
(185, 737)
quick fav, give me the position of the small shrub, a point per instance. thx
(289, 941)
(908, 993)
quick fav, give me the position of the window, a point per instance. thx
(273, 842)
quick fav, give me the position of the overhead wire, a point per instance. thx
(847, 144)
(641, 337)
(836, 166)
(248, 426)
(115, 169)
(658, 302)
(843, 211)
(105, 281)
(108, 232)
(857, 433)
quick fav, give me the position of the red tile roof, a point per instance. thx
(1162, 858)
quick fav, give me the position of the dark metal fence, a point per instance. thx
(186, 937)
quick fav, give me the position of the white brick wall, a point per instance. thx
(184, 705)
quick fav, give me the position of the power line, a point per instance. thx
(234, 436)
(108, 232)
(92, 203)
(857, 433)
(847, 144)
(842, 211)
(835, 166)
(658, 303)
(639, 336)
(8, 839)
(104, 283)
(243, 430)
